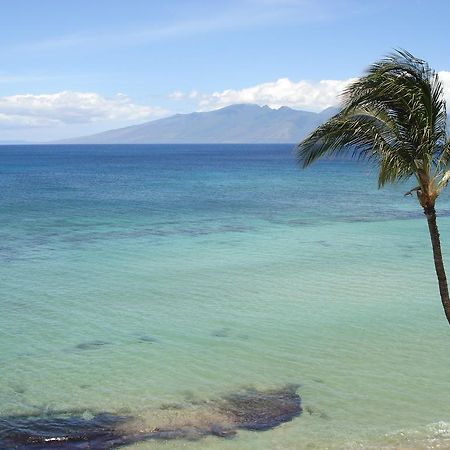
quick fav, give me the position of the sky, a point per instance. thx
(76, 67)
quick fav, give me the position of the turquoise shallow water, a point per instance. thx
(133, 277)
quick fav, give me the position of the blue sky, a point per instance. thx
(77, 67)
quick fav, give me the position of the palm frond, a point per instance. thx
(395, 115)
(443, 181)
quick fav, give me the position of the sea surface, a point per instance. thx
(150, 280)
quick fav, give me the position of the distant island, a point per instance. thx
(244, 123)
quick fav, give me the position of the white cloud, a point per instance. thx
(177, 95)
(67, 107)
(444, 76)
(283, 92)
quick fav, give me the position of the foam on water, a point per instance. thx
(137, 278)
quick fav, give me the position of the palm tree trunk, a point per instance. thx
(430, 213)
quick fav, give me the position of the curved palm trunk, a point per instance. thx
(438, 262)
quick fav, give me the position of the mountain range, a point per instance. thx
(243, 123)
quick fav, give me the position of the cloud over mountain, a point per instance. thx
(310, 95)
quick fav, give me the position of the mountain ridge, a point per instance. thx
(240, 123)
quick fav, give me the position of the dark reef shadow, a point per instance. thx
(262, 410)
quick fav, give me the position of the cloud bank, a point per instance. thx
(303, 94)
(68, 107)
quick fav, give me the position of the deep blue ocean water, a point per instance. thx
(138, 276)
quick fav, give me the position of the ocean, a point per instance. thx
(149, 281)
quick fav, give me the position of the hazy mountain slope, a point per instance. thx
(233, 124)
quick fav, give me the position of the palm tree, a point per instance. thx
(395, 116)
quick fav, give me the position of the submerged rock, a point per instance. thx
(71, 432)
(147, 338)
(90, 345)
(313, 411)
(262, 410)
(250, 409)
(18, 388)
